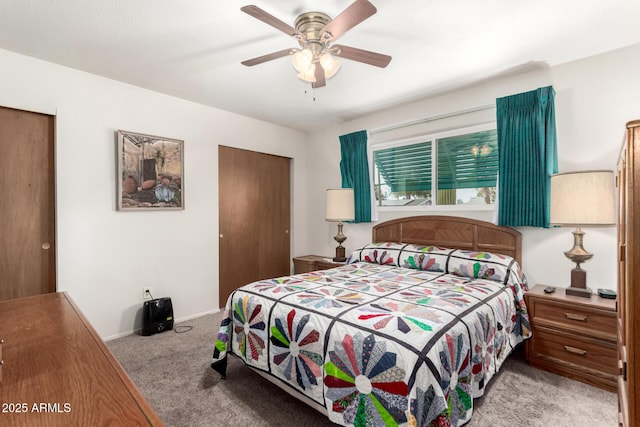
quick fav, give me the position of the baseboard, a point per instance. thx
(193, 316)
(177, 320)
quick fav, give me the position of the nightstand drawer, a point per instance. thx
(304, 264)
(601, 323)
(308, 263)
(582, 352)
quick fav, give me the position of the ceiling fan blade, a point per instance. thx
(267, 57)
(361, 55)
(349, 18)
(320, 78)
(267, 18)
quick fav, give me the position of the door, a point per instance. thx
(27, 204)
(254, 217)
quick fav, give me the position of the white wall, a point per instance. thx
(595, 97)
(105, 257)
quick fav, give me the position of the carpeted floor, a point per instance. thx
(172, 371)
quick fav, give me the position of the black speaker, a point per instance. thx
(157, 316)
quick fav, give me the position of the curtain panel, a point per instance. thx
(527, 157)
(354, 167)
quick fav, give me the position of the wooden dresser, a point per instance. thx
(573, 336)
(628, 186)
(58, 372)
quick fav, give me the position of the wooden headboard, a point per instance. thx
(451, 232)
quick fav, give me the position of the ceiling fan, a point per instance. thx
(315, 33)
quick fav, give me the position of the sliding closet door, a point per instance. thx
(27, 208)
(254, 217)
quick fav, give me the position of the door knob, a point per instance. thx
(46, 245)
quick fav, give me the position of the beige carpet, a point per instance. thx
(172, 371)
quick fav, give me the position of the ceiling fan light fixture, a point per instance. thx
(309, 75)
(302, 60)
(481, 151)
(330, 65)
(315, 33)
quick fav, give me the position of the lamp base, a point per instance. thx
(340, 254)
(578, 278)
(578, 286)
(578, 292)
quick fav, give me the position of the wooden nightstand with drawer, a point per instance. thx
(573, 336)
(307, 263)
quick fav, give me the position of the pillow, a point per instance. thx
(419, 257)
(384, 253)
(463, 263)
(482, 265)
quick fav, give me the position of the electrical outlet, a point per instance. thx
(146, 294)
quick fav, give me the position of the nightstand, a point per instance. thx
(573, 336)
(307, 263)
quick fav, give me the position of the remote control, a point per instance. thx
(607, 293)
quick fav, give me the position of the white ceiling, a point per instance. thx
(192, 48)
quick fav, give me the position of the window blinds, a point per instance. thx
(406, 168)
(468, 161)
(463, 161)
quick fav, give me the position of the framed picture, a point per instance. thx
(150, 172)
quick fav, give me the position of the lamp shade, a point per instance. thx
(302, 60)
(309, 75)
(582, 198)
(340, 205)
(330, 65)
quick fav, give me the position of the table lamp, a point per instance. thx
(577, 199)
(340, 207)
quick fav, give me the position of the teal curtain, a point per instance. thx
(527, 157)
(354, 168)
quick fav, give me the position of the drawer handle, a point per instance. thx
(575, 350)
(578, 317)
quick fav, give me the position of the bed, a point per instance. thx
(408, 332)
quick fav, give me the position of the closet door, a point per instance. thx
(254, 218)
(27, 208)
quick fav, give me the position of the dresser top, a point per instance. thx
(559, 295)
(53, 357)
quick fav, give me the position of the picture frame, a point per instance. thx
(150, 172)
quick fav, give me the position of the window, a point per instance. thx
(463, 164)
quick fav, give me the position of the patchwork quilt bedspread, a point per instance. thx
(400, 335)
